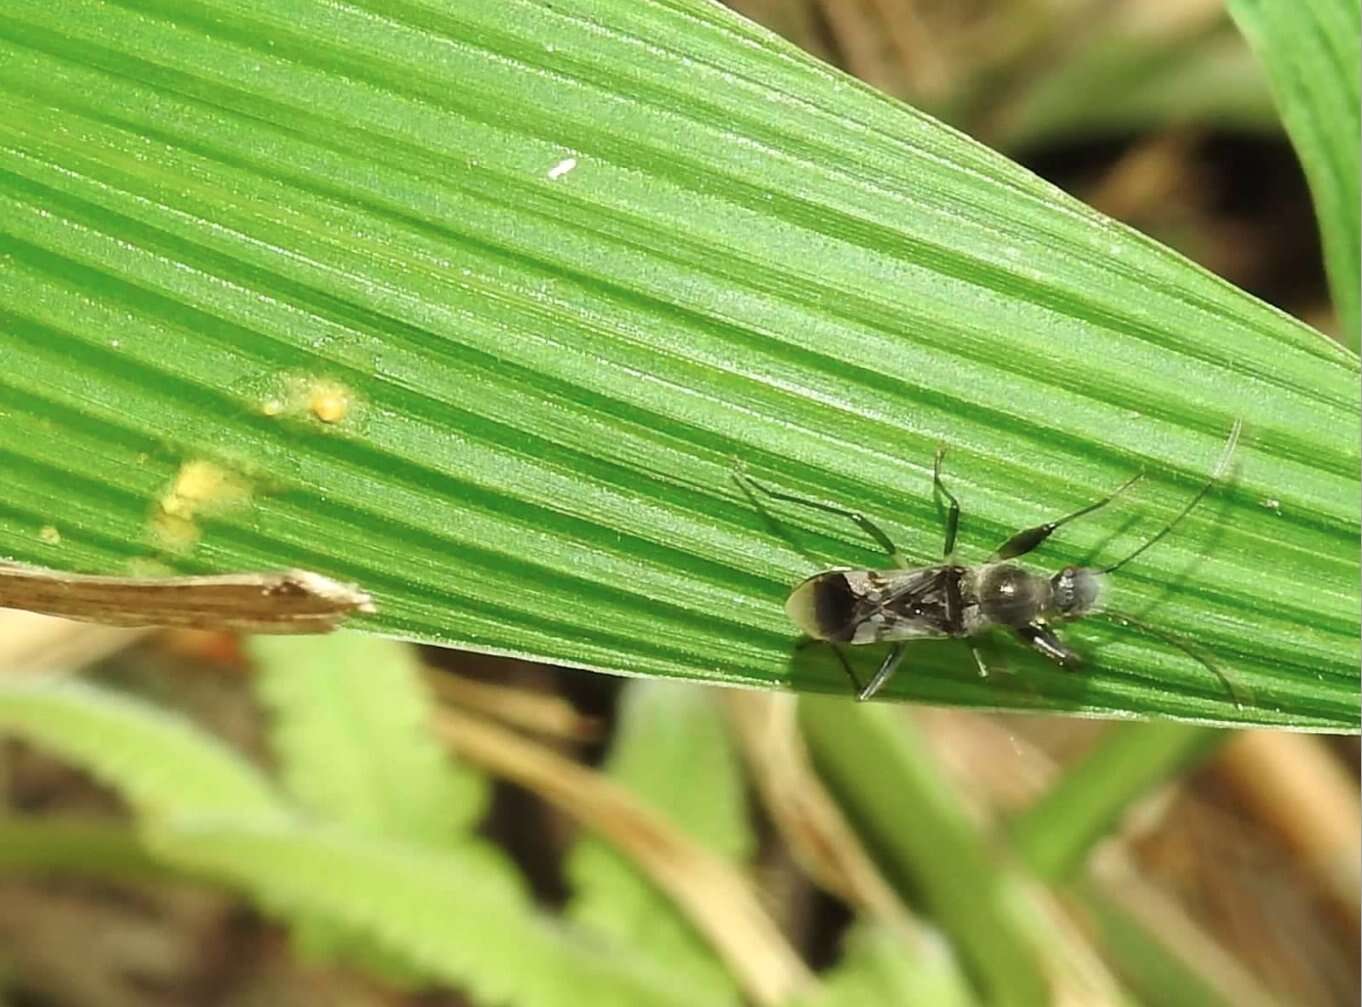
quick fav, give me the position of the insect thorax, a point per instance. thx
(1007, 595)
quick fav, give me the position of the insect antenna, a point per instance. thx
(1216, 475)
(1183, 646)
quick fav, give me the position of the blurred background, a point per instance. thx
(1200, 866)
(1153, 111)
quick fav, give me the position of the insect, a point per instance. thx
(853, 607)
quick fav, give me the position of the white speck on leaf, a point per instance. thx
(562, 168)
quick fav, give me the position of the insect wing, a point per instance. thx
(900, 604)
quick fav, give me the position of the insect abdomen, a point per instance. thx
(824, 607)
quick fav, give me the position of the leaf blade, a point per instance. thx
(352, 729)
(159, 761)
(753, 257)
(1311, 51)
(492, 942)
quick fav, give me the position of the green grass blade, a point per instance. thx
(1126, 83)
(927, 844)
(206, 208)
(1312, 50)
(1008, 932)
(1056, 832)
(671, 749)
(160, 762)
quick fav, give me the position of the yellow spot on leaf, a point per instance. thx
(322, 399)
(329, 402)
(200, 488)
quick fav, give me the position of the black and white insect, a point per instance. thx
(954, 601)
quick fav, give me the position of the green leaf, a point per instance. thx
(673, 751)
(352, 730)
(337, 251)
(1124, 83)
(454, 914)
(877, 968)
(160, 762)
(1312, 50)
(51, 846)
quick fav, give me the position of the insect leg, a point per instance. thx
(1028, 538)
(953, 513)
(846, 666)
(1043, 638)
(1182, 645)
(1218, 473)
(978, 659)
(859, 519)
(891, 663)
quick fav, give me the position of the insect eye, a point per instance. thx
(1065, 587)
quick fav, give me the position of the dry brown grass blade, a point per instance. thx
(860, 44)
(916, 48)
(716, 898)
(1297, 788)
(1120, 880)
(533, 712)
(824, 844)
(282, 601)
